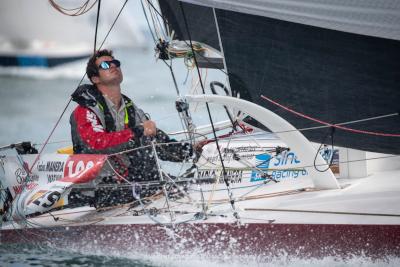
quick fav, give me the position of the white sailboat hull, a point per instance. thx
(362, 219)
(286, 211)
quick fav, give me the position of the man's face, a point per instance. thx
(110, 76)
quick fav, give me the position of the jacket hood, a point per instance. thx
(85, 94)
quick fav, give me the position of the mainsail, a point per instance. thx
(336, 62)
(201, 22)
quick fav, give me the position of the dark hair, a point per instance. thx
(91, 68)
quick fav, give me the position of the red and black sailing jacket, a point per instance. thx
(93, 127)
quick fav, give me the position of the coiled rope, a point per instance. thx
(73, 12)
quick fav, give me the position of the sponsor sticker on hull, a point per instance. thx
(283, 166)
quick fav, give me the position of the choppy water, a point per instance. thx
(24, 255)
(41, 255)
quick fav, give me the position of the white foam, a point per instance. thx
(196, 258)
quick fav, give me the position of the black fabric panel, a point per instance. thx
(330, 75)
(200, 20)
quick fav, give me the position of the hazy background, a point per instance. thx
(32, 99)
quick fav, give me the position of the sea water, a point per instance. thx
(33, 102)
(41, 255)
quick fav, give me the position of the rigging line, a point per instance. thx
(223, 201)
(355, 160)
(244, 161)
(151, 16)
(243, 196)
(209, 115)
(173, 77)
(208, 160)
(112, 25)
(210, 198)
(166, 22)
(184, 114)
(341, 123)
(51, 133)
(156, 29)
(54, 128)
(80, 82)
(232, 136)
(264, 182)
(54, 142)
(177, 186)
(148, 23)
(143, 147)
(330, 124)
(97, 26)
(158, 12)
(164, 189)
(162, 28)
(152, 218)
(185, 123)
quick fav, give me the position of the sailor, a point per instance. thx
(106, 121)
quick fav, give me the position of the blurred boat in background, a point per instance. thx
(40, 36)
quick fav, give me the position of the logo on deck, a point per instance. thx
(262, 164)
(282, 166)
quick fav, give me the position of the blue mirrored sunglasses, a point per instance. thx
(105, 65)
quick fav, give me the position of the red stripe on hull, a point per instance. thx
(300, 240)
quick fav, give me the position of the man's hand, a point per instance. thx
(149, 128)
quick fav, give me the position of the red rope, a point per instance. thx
(327, 123)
